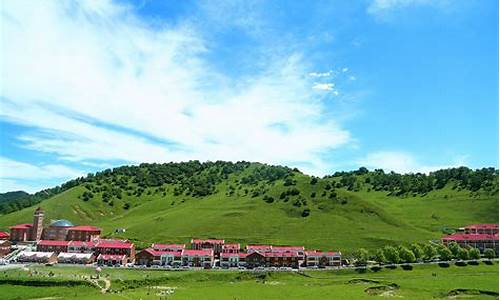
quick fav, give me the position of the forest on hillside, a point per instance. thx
(199, 179)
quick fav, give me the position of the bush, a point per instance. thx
(306, 212)
(461, 263)
(314, 180)
(444, 264)
(473, 263)
(407, 267)
(488, 262)
(392, 267)
(376, 268)
(268, 199)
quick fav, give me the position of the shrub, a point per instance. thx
(407, 267)
(461, 263)
(268, 199)
(376, 268)
(392, 267)
(473, 263)
(444, 264)
(314, 180)
(306, 212)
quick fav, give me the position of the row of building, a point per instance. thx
(480, 236)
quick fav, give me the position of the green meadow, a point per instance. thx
(423, 282)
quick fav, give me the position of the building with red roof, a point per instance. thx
(5, 247)
(112, 260)
(231, 248)
(116, 247)
(322, 259)
(20, 232)
(273, 259)
(481, 241)
(168, 247)
(83, 233)
(82, 247)
(481, 229)
(232, 259)
(259, 248)
(151, 257)
(198, 258)
(216, 245)
(4, 235)
(52, 246)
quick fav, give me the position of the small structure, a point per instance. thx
(231, 260)
(75, 258)
(37, 257)
(198, 258)
(112, 260)
(231, 248)
(322, 259)
(52, 246)
(215, 245)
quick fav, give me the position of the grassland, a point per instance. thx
(423, 282)
(364, 218)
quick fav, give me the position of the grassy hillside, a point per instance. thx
(254, 203)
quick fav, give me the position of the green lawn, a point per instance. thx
(423, 282)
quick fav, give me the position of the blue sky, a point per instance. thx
(403, 85)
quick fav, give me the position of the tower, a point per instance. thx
(36, 230)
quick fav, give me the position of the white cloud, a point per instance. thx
(16, 175)
(323, 74)
(382, 7)
(345, 70)
(100, 85)
(403, 162)
(323, 86)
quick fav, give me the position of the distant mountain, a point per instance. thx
(12, 196)
(257, 203)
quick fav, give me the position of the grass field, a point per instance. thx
(423, 282)
(366, 219)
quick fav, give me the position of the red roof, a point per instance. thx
(470, 237)
(53, 243)
(259, 247)
(82, 244)
(85, 228)
(114, 244)
(168, 246)
(21, 226)
(241, 255)
(160, 253)
(4, 235)
(287, 248)
(319, 253)
(281, 254)
(205, 252)
(482, 226)
(231, 246)
(111, 257)
(196, 241)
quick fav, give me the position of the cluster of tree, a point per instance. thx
(419, 252)
(418, 183)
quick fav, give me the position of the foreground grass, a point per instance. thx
(423, 282)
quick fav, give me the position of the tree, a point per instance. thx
(406, 255)
(474, 253)
(429, 252)
(391, 254)
(314, 180)
(380, 257)
(463, 254)
(361, 257)
(417, 251)
(445, 253)
(454, 248)
(489, 253)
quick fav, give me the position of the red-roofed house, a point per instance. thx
(322, 259)
(151, 256)
(83, 233)
(20, 232)
(296, 249)
(259, 248)
(52, 246)
(81, 247)
(116, 247)
(168, 247)
(228, 260)
(198, 258)
(4, 235)
(231, 248)
(481, 228)
(480, 241)
(215, 245)
(273, 259)
(111, 260)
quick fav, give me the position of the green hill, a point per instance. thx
(255, 203)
